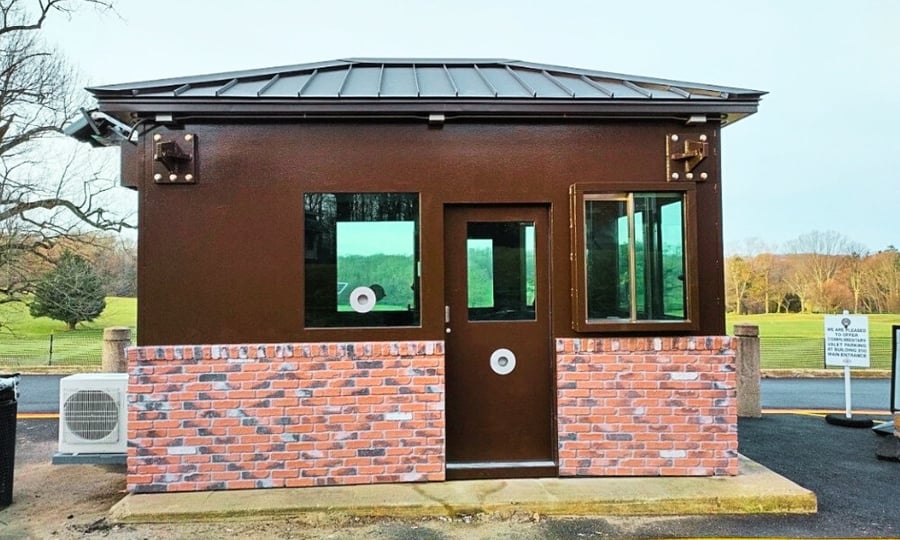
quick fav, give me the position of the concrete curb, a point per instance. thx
(755, 490)
(836, 373)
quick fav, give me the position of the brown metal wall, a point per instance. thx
(221, 261)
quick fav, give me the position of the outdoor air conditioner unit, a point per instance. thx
(93, 413)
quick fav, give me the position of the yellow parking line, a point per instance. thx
(37, 416)
(823, 412)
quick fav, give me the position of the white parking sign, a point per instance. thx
(847, 340)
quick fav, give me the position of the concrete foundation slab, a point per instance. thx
(61, 458)
(754, 490)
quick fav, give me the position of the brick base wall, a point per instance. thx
(647, 406)
(256, 416)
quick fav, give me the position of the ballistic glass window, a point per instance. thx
(500, 271)
(361, 259)
(635, 257)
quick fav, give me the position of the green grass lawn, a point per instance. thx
(18, 322)
(804, 325)
(25, 341)
(788, 340)
(795, 341)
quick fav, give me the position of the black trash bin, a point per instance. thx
(9, 405)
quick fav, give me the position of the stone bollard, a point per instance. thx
(115, 340)
(747, 360)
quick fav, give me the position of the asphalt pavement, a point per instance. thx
(865, 394)
(39, 393)
(857, 493)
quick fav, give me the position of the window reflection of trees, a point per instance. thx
(323, 212)
(635, 267)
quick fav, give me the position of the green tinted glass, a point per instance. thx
(634, 253)
(362, 259)
(501, 271)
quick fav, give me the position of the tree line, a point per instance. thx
(393, 273)
(818, 272)
(112, 257)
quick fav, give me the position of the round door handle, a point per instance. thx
(503, 361)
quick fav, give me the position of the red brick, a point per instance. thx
(235, 442)
(653, 417)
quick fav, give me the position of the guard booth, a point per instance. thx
(407, 270)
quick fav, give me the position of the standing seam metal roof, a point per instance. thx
(423, 88)
(451, 79)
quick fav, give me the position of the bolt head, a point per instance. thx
(689, 176)
(157, 137)
(675, 176)
(674, 138)
(189, 177)
(703, 176)
(703, 137)
(188, 137)
(157, 177)
(173, 177)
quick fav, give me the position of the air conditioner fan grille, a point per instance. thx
(91, 414)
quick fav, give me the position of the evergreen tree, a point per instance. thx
(71, 293)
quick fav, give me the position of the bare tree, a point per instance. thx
(796, 282)
(764, 265)
(855, 277)
(881, 282)
(820, 255)
(45, 195)
(115, 260)
(739, 276)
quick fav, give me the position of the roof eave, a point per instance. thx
(274, 108)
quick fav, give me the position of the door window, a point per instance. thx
(500, 271)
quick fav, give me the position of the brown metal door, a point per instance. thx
(500, 377)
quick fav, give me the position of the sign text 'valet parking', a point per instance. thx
(847, 340)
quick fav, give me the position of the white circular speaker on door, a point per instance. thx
(503, 361)
(362, 299)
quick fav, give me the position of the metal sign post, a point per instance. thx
(847, 345)
(888, 428)
(895, 369)
(847, 407)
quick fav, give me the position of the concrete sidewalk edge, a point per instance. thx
(755, 490)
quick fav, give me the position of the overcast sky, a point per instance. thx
(822, 153)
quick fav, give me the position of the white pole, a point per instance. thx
(847, 412)
(847, 391)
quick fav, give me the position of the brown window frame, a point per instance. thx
(582, 192)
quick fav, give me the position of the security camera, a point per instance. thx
(99, 129)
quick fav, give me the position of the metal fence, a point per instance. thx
(80, 348)
(809, 353)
